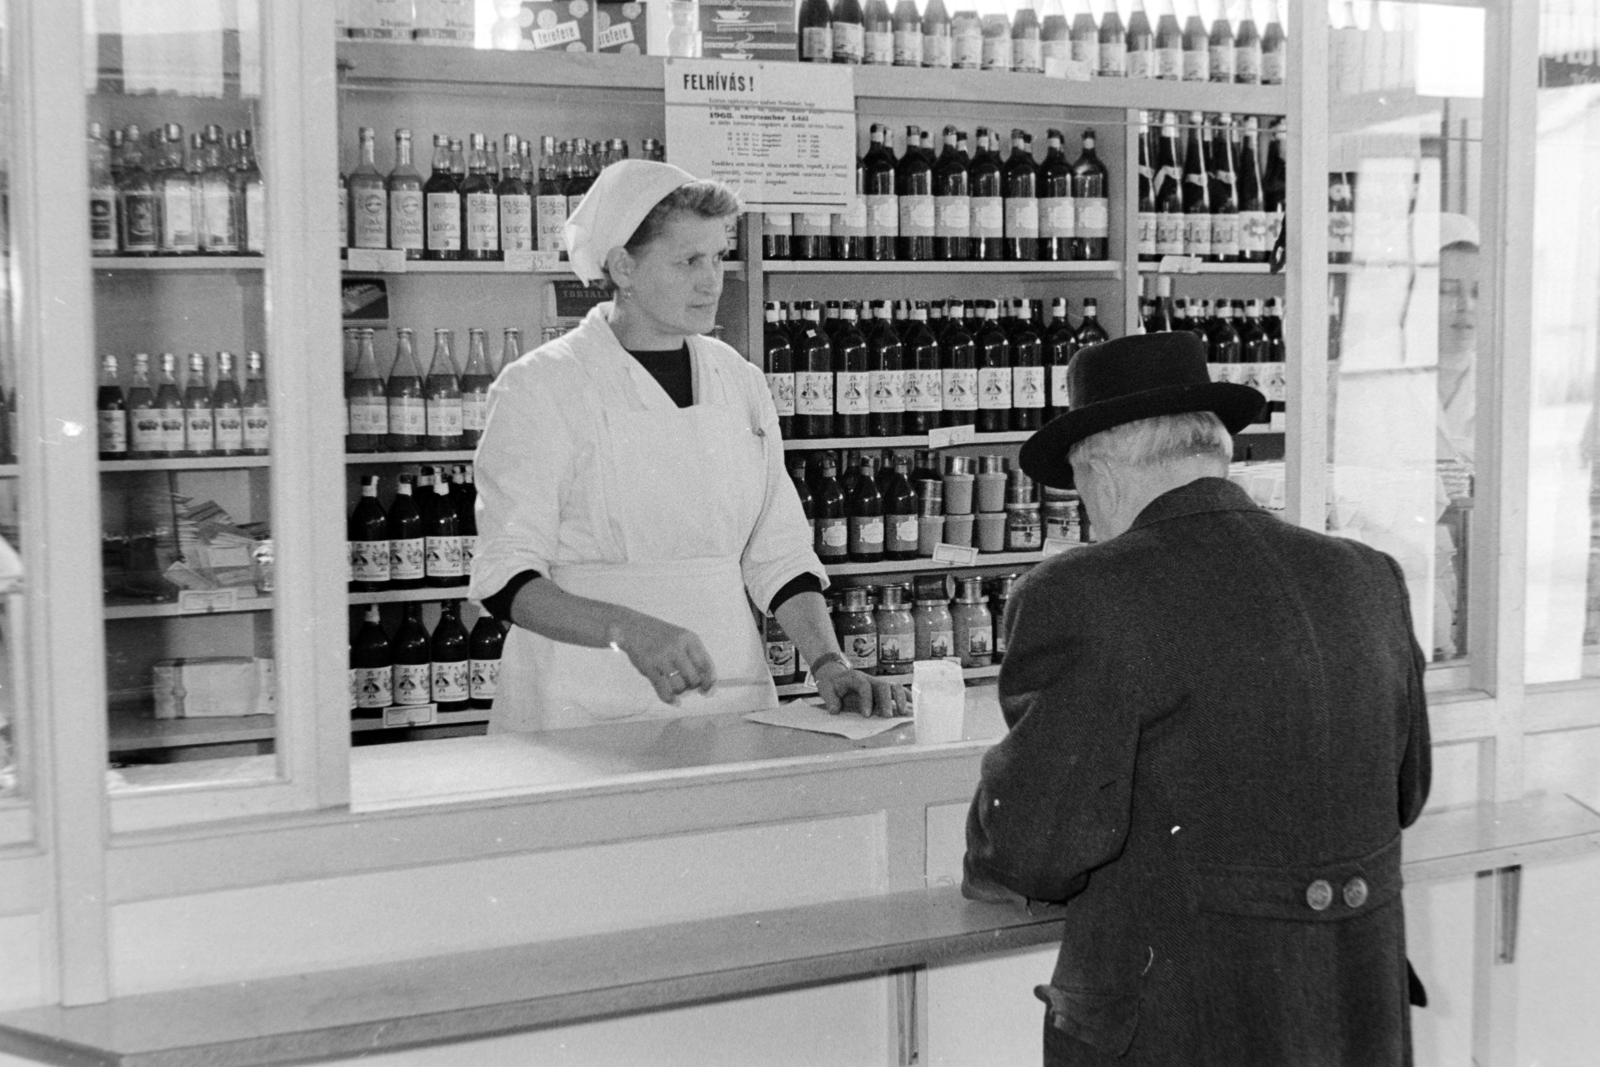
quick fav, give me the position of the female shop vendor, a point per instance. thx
(631, 490)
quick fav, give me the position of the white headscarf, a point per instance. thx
(613, 208)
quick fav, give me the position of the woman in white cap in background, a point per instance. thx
(631, 489)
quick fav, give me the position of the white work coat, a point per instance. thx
(590, 474)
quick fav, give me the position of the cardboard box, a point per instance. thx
(558, 25)
(748, 29)
(214, 687)
(620, 28)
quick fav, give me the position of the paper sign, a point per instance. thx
(517, 262)
(547, 262)
(208, 601)
(1054, 546)
(377, 260)
(1179, 265)
(959, 555)
(410, 715)
(783, 135)
(950, 436)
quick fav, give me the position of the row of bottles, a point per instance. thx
(442, 410)
(448, 668)
(993, 364)
(205, 416)
(1217, 197)
(156, 193)
(1050, 38)
(956, 206)
(1244, 340)
(427, 536)
(481, 199)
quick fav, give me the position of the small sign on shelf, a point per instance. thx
(950, 436)
(376, 260)
(401, 715)
(1054, 546)
(208, 601)
(956, 555)
(1179, 265)
(518, 262)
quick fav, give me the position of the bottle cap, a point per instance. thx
(970, 591)
(855, 599)
(992, 465)
(892, 597)
(958, 465)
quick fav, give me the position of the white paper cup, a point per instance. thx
(938, 701)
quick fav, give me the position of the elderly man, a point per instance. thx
(1217, 730)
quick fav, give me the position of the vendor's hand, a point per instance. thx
(672, 659)
(843, 689)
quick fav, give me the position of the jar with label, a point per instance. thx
(936, 638)
(897, 631)
(991, 483)
(857, 631)
(1024, 532)
(973, 624)
(782, 660)
(999, 596)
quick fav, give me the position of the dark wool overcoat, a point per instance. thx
(1217, 730)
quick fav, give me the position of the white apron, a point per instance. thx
(678, 480)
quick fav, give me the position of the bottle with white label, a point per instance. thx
(199, 427)
(1021, 184)
(179, 197)
(484, 647)
(408, 413)
(1091, 204)
(102, 195)
(474, 388)
(849, 32)
(779, 368)
(878, 175)
(878, 35)
(368, 536)
(994, 373)
(145, 440)
(220, 206)
(852, 360)
(450, 669)
(550, 201)
(369, 199)
(444, 562)
(516, 202)
(986, 181)
(404, 188)
(227, 409)
(958, 365)
(1057, 214)
(372, 665)
(409, 648)
(442, 206)
(480, 206)
(257, 417)
(407, 550)
(251, 194)
(169, 409)
(441, 396)
(112, 407)
(816, 32)
(907, 28)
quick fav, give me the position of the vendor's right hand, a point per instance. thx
(672, 659)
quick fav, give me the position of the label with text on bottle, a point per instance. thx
(813, 392)
(854, 393)
(406, 560)
(369, 561)
(449, 681)
(1026, 55)
(551, 218)
(908, 47)
(866, 532)
(888, 391)
(1197, 65)
(230, 429)
(1055, 54)
(255, 218)
(1060, 398)
(103, 220)
(219, 235)
(816, 44)
(852, 222)
(994, 388)
(960, 389)
(938, 50)
(516, 223)
(412, 683)
(1169, 63)
(1253, 230)
(878, 48)
(483, 678)
(474, 411)
(1113, 59)
(408, 415)
(199, 432)
(917, 216)
(781, 386)
(177, 221)
(813, 224)
(781, 659)
(952, 216)
(443, 416)
(777, 224)
(1147, 233)
(1272, 68)
(1027, 387)
(1225, 235)
(833, 536)
(996, 52)
(1057, 217)
(1094, 216)
(924, 391)
(988, 217)
(883, 215)
(405, 218)
(1197, 235)
(469, 552)
(444, 222)
(483, 222)
(442, 557)
(371, 229)
(849, 42)
(1221, 69)
(903, 532)
(374, 687)
(1141, 63)
(1169, 234)
(145, 424)
(172, 423)
(1022, 217)
(1247, 63)
(113, 433)
(369, 416)
(1086, 53)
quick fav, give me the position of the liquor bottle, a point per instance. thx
(1027, 372)
(251, 196)
(102, 195)
(1141, 49)
(1247, 49)
(812, 234)
(952, 201)
(996, 44)
(937, 46)
(442, 204)
(878, 185)
(1341, 216)
(994, 373)
(1277, 379)
(441, 538)
(413, 684)
(1196, 49)
(176, 192)
(1055, 37)
(372, 664)
(1090, 332)
(958, 371)
(924, 389)
(145, 438)
(408, 412)
(1256, 350)
(366, 401)
(112, 408)
(484, 647)
(907, 34)
(832, 523)
(816, 32)
(1225, 346)
(550, 201)
(368, 535)
(1060, 344)
(1020, 180)
(1085, 40)
(886, 369)
(511, 351)
(802, 492)
(1224, 189)
(227, 409)
(849, 32)
(407, 545)
(515, 202)
(441, 397)
(257, 415)
(1113, 45)
(404, 189)
(480, 207)
(369, 198)
(1274, 187)
(1027, 54)
(914, 188)
(813, 377)
(1147, 198)
(1223, 47)
(900, 511)
(169, 408)
(1091, 204)
(219, 205)
(474, 387)
(777, 235)
(1274, 48)
(1169, 44)
(450, 673)
(878, 34)
(199, 426)
(779, 360)
(458, 167)
(465, 494)
(865, 512)
(852, 378)
(1199, 318)
(1158, 315)
(986, 180)
(1057, 213)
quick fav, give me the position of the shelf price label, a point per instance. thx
(950, 436)
(377, 260)
(1179, 265)
(401, 715)
(955, 555)
(207, 601)
(517, 262)
(545, 262)
(1054, 546)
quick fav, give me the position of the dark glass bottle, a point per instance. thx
(1021, 183)
(958, 368)
(850, 225)
(865, 510)
(878, 186)
(1169, 44)
(813, 373)
(146, 439)
(1141, 44)
(914, 187)
(373, 665)
(368, 535)
(986, 180)
(1224, 194)
(1224, 342)
(1274, 188)
(1090, 332)
(441, 534)
(878, 36)
(852, 379)
(138, 200)
(407, 549)
(441, 205)
(907, 34)
(1256, 350)
(1090, 197)
(1253, 225)
(899, 511)
(1274, 51)
(924, 385)
(1247, 50)
(1057, 213)
(484, 647)
(779, 355)
(1222, 48)
(832, 521)
(169, 406)
(802, 491)
(1196, 193)
(1060, 343)
(994, 373)
(1169, 192)
(952, 199)
(1027, 371)
(408, 649)
(1158, 315)
(1027, 54)
(816, 32)
(112, 407)
(450, 670)
(936, 42)
(849, 32)
(480, 207)
(887, 376)
(1146, 239)
(1196, 49)
(1113, 57)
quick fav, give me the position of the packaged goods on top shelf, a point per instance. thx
(1217, 198)
(203, 418)
(442, 410)
(449, 668)
(996, 365)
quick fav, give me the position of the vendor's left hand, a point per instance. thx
(843, 689)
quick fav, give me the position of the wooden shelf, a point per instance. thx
(458, 456)
(177, 263)
(172, 609)
(184, 463)
(492, 267)
(990, 559)
(1096, 269)
(814, 444)
(428, 595)
(132, 731)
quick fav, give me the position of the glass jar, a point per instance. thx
(974, 625)
(897, 631)
(858, 633)
(935, 633)
(1023, 531)
(999, 596)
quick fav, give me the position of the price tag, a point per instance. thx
(1179, 265)
(957, 555)
(377, 260)
(517, 262)
(950, 436)
(1054, 546)
(547, 262)
(207, 601)
(410, 715)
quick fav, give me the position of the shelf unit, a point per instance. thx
(429, 595)
(814, 444)
(463, 455)
(174, 609)
(494, 267)
(185, 463)
(178, 263)
(1086, 269)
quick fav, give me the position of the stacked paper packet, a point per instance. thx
(213, 550)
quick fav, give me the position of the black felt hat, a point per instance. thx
(1128, 379)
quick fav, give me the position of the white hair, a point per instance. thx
(1156, 442)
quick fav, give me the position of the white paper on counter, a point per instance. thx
(799, 715)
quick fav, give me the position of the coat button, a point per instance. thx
(1319, 895)
(1355, 892)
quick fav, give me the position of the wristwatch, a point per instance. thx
(827, 658)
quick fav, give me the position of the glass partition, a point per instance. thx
(12, 694)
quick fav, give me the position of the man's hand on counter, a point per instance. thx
(843, 689)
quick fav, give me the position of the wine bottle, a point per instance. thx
(369, 198)
(1090, 202)
(779, 359)
(408, 414)
(849, 32)
(227, 409)
(1055, 37)
(582, 178)
(1113, 45)
(1027, 372)
(1147, 199)
(515, 201)
(484, 647)
(914, 188)
(176, 188)
(886, 376)
(1196, 49)
(994, 372)
(1256, 350)
(1274, 48)
(849, 227)
(924, 389)
(1169, 44)
(366, 400)
(878, 34)
(550, 200)
(1158, 315)
(1223, 48)
(1224, 194)
(1027, 55)
(169, 409)
(1247, 49)
(1141, 44)
(966, 40)
(937, 45)
(473, 388)
(986, 180)
(138, 205)
(865, 513)
(852, 377)
(1090, 332)
(878, 185)
(403, 187)
(257, 413)
(199, 424)
(368, 534)
(1253, 225)
(1060, 344)
(1169, 192)
(442, 205)
(480, 206)
(833, 524)
(813, 377)
(958, 371)
(372, 663)
(816, 32)
(996, 29)
(1057, 213)
(441, 537)
(900, 518)
(408, 649)
(907, 34)
(952, 201)
(1085, 41)
(449, 674)
(111, 406)
(1021, 184)
(1274, 187)
(466, 497)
